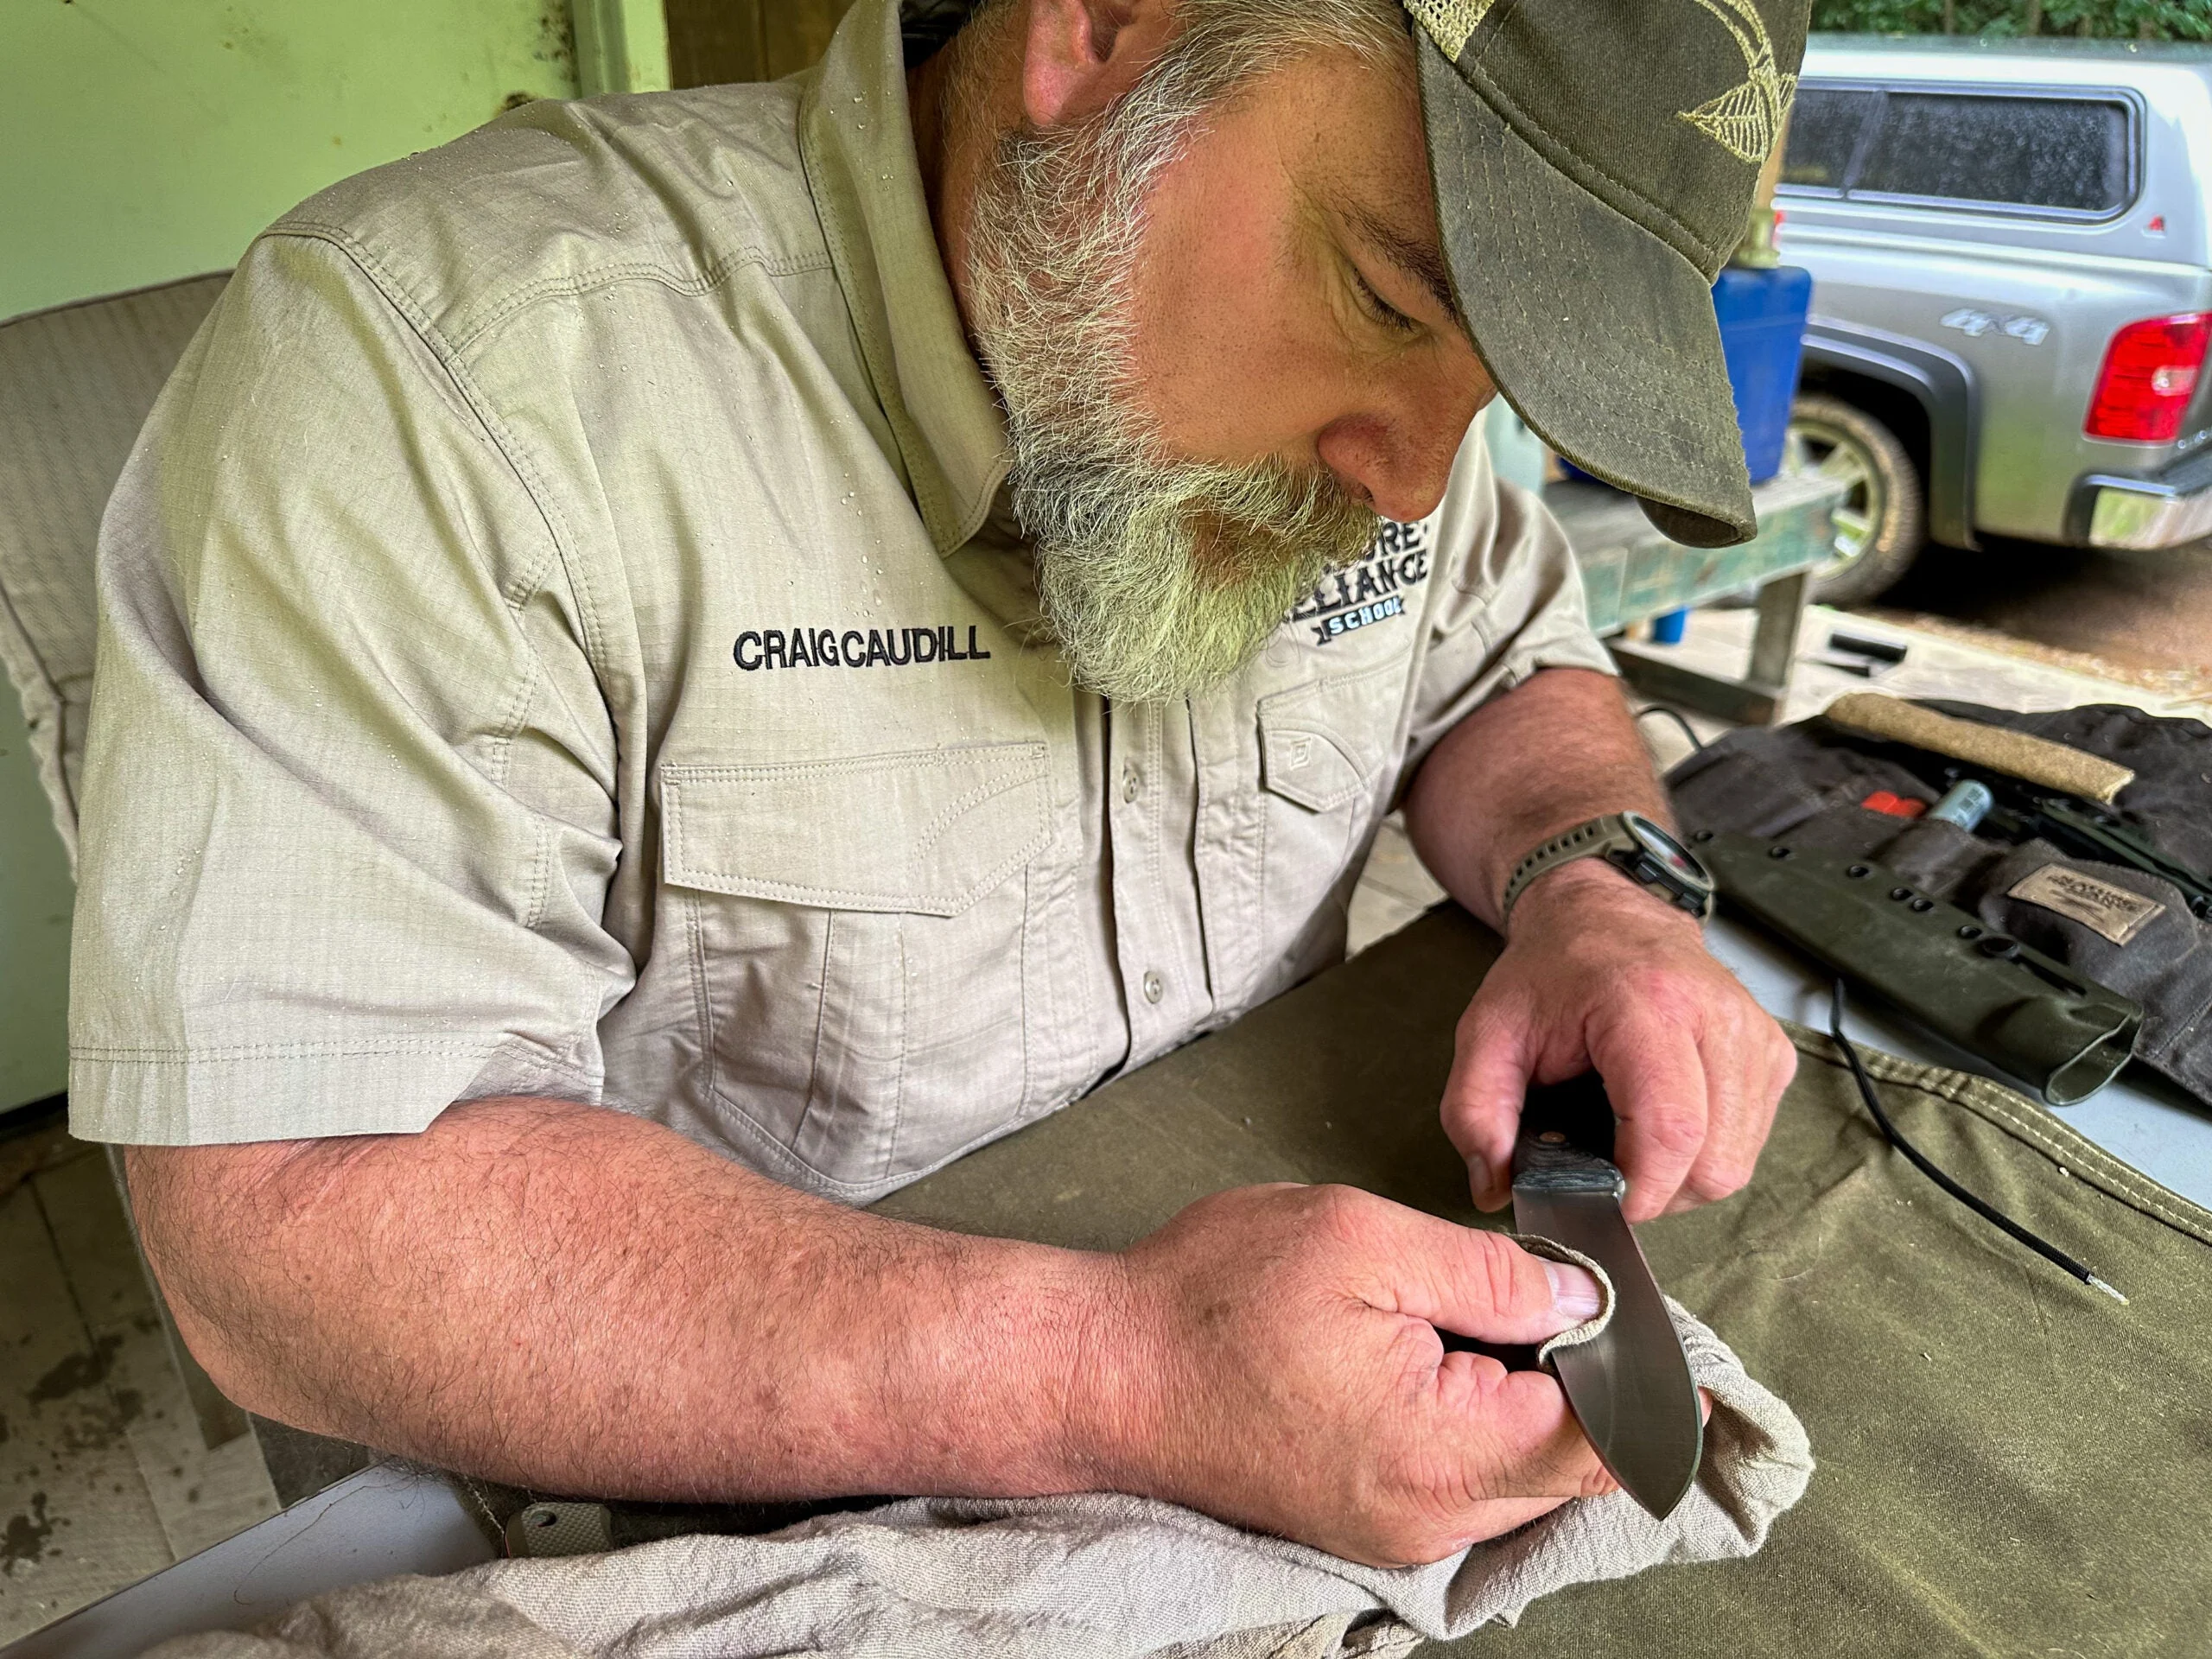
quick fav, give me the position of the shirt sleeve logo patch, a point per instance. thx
(765, 648)
(1372, 591)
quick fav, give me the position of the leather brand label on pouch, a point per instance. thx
(2116, 913)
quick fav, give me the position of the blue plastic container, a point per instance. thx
(1669, 628)
(1762, 316)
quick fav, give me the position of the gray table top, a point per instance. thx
(2139, 1117)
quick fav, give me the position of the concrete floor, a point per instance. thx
(103, 1474)
(2146, 618)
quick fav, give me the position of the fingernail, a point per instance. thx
(1574, 1292)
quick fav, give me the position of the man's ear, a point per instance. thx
(1080, 56)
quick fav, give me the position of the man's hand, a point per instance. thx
(1598, 972)
(1283, 1370)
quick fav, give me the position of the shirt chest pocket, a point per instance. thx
(861, 946)
(1327, 764)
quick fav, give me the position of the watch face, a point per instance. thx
(1669, 851)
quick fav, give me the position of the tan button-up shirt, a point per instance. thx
(562, 634)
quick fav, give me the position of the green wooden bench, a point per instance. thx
(1631, 573)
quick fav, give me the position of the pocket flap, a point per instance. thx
(929, 831)
(1322, 743)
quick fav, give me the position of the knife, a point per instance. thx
(1631, 1385)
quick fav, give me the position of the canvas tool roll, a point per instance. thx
(2120, 926)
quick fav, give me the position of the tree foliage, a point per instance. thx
(2146, 19)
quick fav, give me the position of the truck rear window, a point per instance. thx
(2071, 154)
(1824, 126)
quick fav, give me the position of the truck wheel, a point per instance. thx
(1882, 520)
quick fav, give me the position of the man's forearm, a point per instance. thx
(1556, 751)
(576, 1299)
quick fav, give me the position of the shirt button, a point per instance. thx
(1132, 786)
(1155, 987)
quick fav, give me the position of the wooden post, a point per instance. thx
(622, 46)
(711, 42)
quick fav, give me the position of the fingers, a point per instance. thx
(1748, 1067)
(1522, 1440)
(1737, 1114)
(1655, 1076)
(1506, 1450)
(1693, 1065)
(1495, 1519)
(1482, 1101)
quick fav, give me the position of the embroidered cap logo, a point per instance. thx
(1448, 22)
(1746, 119)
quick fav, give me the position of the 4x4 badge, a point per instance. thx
(2029, 331)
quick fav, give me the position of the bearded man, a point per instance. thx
(682, 661)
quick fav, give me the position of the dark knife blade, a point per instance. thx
(1631, 1386)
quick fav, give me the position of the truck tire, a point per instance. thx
(1881, 522)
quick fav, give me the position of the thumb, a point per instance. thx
(1482, 1285)
(1483, 1099)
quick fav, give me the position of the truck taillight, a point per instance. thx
(2149, 376)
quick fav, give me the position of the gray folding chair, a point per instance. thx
(75, 386)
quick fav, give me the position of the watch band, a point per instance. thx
(1592, 840)
(1669, 872)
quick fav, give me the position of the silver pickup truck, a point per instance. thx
(2011, 243)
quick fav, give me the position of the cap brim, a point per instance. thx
(1598, 333)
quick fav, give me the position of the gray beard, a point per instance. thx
(1158, 577)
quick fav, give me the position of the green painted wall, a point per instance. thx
(146, 139)
(143, 140)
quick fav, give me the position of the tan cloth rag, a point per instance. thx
(1097, 1576)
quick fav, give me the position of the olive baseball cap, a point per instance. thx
(1594, 163)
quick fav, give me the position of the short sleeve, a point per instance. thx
(347, 822)
(1510, 600)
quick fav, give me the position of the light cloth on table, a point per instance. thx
(1097, 1576)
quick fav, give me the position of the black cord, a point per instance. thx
(1988, 1212)
(1674, 714)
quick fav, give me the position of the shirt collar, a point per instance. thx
(857, 138)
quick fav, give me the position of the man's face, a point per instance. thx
(1225, 345)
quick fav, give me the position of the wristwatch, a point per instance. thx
(1632, 843)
